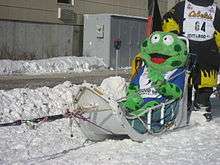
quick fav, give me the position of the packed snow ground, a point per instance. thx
(50, 143)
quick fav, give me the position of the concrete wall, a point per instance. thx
(26, 40)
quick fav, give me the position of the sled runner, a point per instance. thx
(104, 118)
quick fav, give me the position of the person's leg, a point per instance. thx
(202, 101)
(203, 80)
(196, 107)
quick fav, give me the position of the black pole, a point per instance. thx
(151, 4)
(154, 21)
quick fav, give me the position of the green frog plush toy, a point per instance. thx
(161, 75)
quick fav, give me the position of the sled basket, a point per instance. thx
(103, 117)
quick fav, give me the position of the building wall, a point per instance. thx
(126, 7)
(29, 10)
(172, 3)
(47, 10)
(32, 27)
(27, 40)
(41, 16)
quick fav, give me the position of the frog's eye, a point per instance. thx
(155, 38)
(168, 40)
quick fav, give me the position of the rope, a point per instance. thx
(80, 116)
(35, 120)
(44, 119)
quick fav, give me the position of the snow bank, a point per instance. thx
(27, 103)
(52, 65)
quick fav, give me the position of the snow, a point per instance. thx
(115, 87)
(51, 143)
(52, 65)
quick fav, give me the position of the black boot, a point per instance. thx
(208, 116)
(200, 107)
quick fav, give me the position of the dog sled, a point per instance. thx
(104, 118)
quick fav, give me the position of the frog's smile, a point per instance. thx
(158, 58)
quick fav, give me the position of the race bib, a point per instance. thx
(198, 23)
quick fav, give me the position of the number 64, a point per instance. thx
(199, 27)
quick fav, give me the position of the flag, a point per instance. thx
(154, 21)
